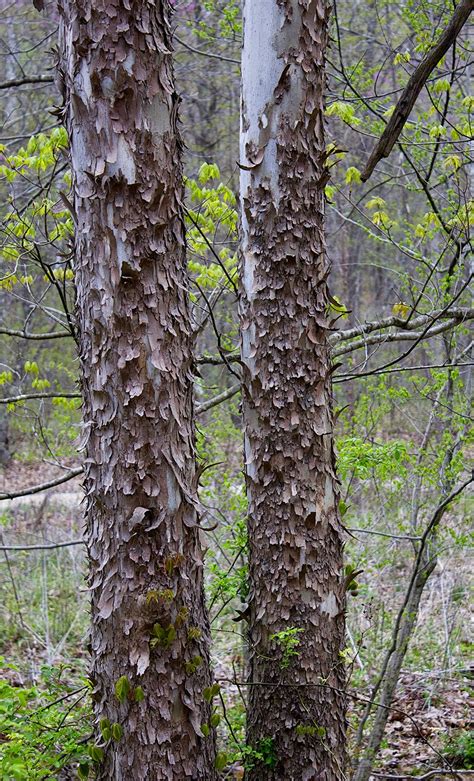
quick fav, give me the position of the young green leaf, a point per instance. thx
(122, 688)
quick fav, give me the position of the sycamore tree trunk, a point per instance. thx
(150, 634)
(296, 613)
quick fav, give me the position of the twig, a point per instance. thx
(377, 325)
(36, 489)
(25, 396)
(381, 370)
(26, 80)
(44, 546)
(36, 337)
(383, 534)
(205, 54)
(397, 336)
(227, 394)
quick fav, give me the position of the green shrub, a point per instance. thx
(460, 749)
(44, 728)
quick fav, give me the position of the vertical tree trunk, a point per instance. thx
(296, 706)
(150, 635)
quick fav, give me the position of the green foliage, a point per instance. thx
(288, 641)
(138, 694)
(162, 636)
(211, 691)
(96, 752)
(380, 460)
(211, 222)
(351, 573)
(336, 307)
(459, 749)
(344, 111)
(44, 728)
(264, 753)
(105, 729)
(122, 688)
(194, 633)
(221, 760)
(165, 595)
(83, 771)
(193, 665)
(353, 175)
(215, 720)
(223, 19)
(42, 220)
(310, 730)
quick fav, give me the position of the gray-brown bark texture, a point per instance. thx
(296, 705)
(149, 626)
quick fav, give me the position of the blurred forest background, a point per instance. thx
(400, 246)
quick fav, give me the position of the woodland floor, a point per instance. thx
(432, 705)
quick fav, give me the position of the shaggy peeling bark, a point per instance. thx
(149, 626)
(296, 705)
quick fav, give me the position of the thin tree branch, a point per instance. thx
(416, 341)
(425, 367)
(383, 534)
(25, 396)
(36, 337)
(45, 546)
(398, 336)
(227, 394)
(205, 54)
(415, 84)
(456, 316)
(367, 328)
(26, 80)
(214, 360)
(36, 489)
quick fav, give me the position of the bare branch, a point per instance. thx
(36, 337)
(423, 566)
(382, 370)
(383, 534)
(25, 396)
(26, 80)
(206, 54)
(214, 360)
(398, 336)
(367, 328)
(227, 394)
(455, 317)
(416, 341)
(44, 546)
(36, 489)
(415, 84)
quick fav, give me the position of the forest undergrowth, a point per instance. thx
(44, 630)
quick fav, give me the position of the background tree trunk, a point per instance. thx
(149, 626)
(296, 706)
